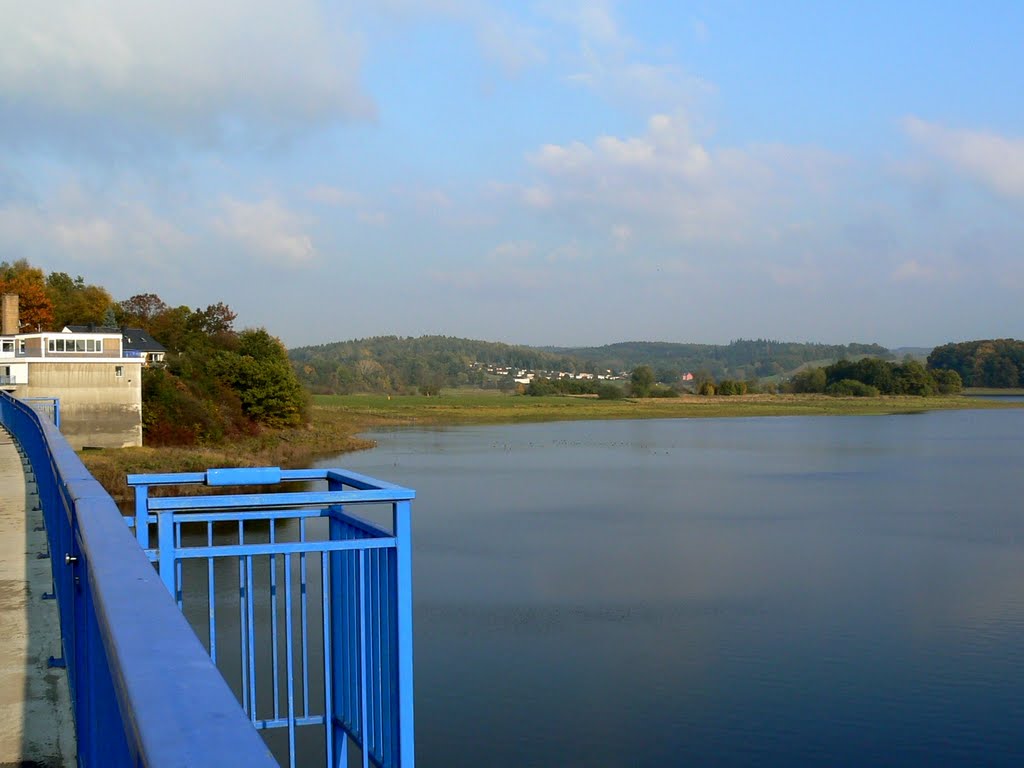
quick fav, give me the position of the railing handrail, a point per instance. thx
(176, 708)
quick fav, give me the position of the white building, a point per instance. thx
(98, 382)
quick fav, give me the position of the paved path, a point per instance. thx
(36, 725)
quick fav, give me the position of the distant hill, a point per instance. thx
(741, 359)
(396, 363)
(917, 353)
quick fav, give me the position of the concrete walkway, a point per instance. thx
(36, 724)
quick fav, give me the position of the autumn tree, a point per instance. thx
(35, 307)
(75, 302)
(140, 310)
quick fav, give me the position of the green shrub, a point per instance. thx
(608, 391)
(851, 388)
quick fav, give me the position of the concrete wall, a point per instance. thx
(98, 408)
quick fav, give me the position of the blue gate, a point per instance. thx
(305, 607)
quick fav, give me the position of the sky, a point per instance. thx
(546, 173)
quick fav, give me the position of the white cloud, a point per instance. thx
(267, 229)
(188, 68)
(90, 234)
(115, 244)
(502, 38)
(515, 250)
(334, 196)
(994, 160)
(665, 184)
(912, 270)
(375, 218)
(537, 197)
(617, 66)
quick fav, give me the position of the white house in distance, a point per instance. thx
(97, 380)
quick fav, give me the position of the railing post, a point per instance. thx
(339, 629)
(165, 541)
(142, 515)
(403, 546)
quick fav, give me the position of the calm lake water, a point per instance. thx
(780, 591)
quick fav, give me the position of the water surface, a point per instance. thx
(776, 591)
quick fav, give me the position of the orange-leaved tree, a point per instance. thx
(36, 309)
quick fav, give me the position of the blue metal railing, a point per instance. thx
(144, 690)
(46, 406)
(319, 601)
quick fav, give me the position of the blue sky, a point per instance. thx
(531, 172)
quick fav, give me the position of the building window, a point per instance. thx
(74, 345)
(119, 371)
(8, 345)
(21, 346)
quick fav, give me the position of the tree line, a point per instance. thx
(740, 360)
(995, 363)
(870, 377)
(217, 382)
(427, 363)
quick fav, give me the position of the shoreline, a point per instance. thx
(336, 421)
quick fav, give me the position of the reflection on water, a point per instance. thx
(813, 591)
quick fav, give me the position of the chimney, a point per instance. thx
(9, 320)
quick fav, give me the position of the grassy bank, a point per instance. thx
(489, 408)
(337, 420)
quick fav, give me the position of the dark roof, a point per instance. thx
(137, 340)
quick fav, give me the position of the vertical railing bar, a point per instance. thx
(213, 595)
(375, 666)
(252, 637)
(305, 622)
(328, 659)
(275, 667)
(363, 676)
(142, 515)
(345, 631)
(403, 565)
(289, 658)
(382, 644)
(165, 553)
(385, 660)
(353, 642)
(242, 621)
(393, 690)
(178, 588)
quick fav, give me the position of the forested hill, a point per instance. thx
(739, 359)
(983, 363)
(394, 363)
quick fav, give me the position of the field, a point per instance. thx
(337, 421)
(477, 406)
